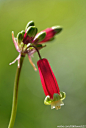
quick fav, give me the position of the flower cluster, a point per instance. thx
(28, 42)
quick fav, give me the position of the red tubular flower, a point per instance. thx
(48, 79)
(50, 85)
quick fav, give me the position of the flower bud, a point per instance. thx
(57, 29)
(51, 32)
(31, 31)
(31, 23)
(20, 36)
(39, 37)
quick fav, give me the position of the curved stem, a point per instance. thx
(15, 95)
(36, 50)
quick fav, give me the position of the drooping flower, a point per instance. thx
(50, 86)
(29, 40)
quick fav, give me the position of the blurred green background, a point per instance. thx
(66, 54)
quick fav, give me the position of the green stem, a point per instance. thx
(15, 95)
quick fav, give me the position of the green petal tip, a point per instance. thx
(20, 36)
(31, 23)
(31, 31)
(39, 37)
(57, 29)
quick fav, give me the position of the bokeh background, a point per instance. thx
(66, 54)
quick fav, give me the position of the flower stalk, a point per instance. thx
(15, 94)
(36, 50)
(28, 42)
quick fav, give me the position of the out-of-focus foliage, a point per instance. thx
(66, 54)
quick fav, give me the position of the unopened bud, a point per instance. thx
(57, 29)
(31, 23)
(20, 36)
(31, 31)
(39, 37)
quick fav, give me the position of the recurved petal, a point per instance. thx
(15, 43)
(18, 58)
